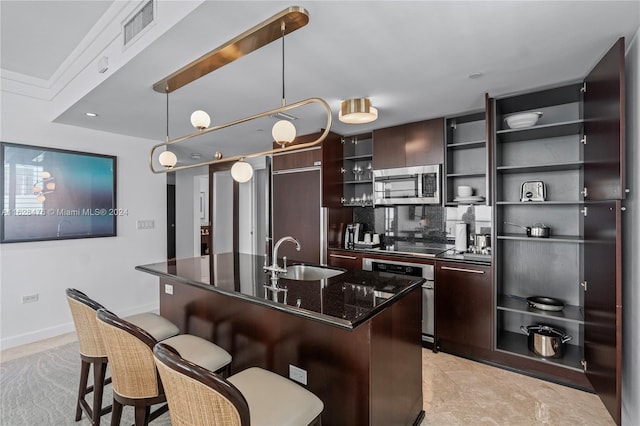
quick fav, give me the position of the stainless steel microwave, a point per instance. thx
(407, 185)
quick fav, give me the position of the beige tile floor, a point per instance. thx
(457, 391)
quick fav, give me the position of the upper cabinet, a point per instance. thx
(357, 170)
(467, 159)
(413, 144)
(327, 157)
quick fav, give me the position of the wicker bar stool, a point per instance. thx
(135, 379)
(93, 353)
(199, 397)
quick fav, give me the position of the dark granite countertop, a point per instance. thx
(346, 300)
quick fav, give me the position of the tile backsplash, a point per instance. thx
(423, 224)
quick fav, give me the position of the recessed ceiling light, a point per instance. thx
(475, 75)
(90, 114)
(195, 155)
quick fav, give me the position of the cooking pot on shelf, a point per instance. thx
(546, 341)
(538, 230)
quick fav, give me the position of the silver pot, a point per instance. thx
(537, 230)
(546, 341)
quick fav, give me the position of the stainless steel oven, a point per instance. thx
(407, 185)
(415, 270)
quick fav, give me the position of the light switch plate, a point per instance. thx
(168, 289)
(298, 374)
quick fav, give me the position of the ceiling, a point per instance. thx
(413, 59)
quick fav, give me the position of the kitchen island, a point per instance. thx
(355, 337)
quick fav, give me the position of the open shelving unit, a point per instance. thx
(465, 144)
(550, 151)
(357, 170)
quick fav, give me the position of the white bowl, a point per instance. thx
(523, 119)
(465, 191)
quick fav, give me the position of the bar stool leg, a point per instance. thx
(82, 389)
(99, 372)
(116, 413)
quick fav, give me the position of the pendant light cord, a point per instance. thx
(282, 27)
(167, 114)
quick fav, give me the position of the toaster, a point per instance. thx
(533, 191)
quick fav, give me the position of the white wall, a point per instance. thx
(631, 242)
(102, 267)
(187, 212)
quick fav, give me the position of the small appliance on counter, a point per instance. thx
(352, 235)
(480, 248)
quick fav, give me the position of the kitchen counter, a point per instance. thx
(346, 300)
(447, 255)
(356, 337)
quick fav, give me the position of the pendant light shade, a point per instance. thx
(168, 159)
(200, 119)
(357, 111)
(241, 171)
(283, 132)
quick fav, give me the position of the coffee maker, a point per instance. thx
(352, 234)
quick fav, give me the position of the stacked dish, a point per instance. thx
(522, 120)
(471, 199)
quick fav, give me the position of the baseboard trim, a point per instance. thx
(68, 327)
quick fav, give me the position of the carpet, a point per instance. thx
(41, 390)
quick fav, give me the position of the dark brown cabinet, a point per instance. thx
(413, 144)
(345, 259)
(464, 307)
(576, 149)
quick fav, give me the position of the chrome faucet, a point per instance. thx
(275, 268)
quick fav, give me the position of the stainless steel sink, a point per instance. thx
(310, 273)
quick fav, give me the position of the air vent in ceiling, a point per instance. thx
(139, 22)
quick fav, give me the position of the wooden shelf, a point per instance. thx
(467, 145)
(359, 157)
(518, 304)
(539, 203)
(517, 344)
(553, 167)
(467, 174)
(544, 131)
(551, 239)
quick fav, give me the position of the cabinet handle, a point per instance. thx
(472, 271)
(341, 256)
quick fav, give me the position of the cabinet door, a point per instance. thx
(297, 160)
(603, 302)
(346, 260)
(332, 158)
(604, 127)
(463, 306)
(296, 212)
(424, 142)
(388, 148)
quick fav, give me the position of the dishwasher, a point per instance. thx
(415, 270)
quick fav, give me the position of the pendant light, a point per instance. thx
(241, 171)
(283, 132)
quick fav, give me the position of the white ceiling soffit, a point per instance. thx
(37, 36)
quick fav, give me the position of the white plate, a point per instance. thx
(471, 199)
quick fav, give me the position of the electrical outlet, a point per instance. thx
(30, 298)
(168, 289)
(145, 224)
(298, 374)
